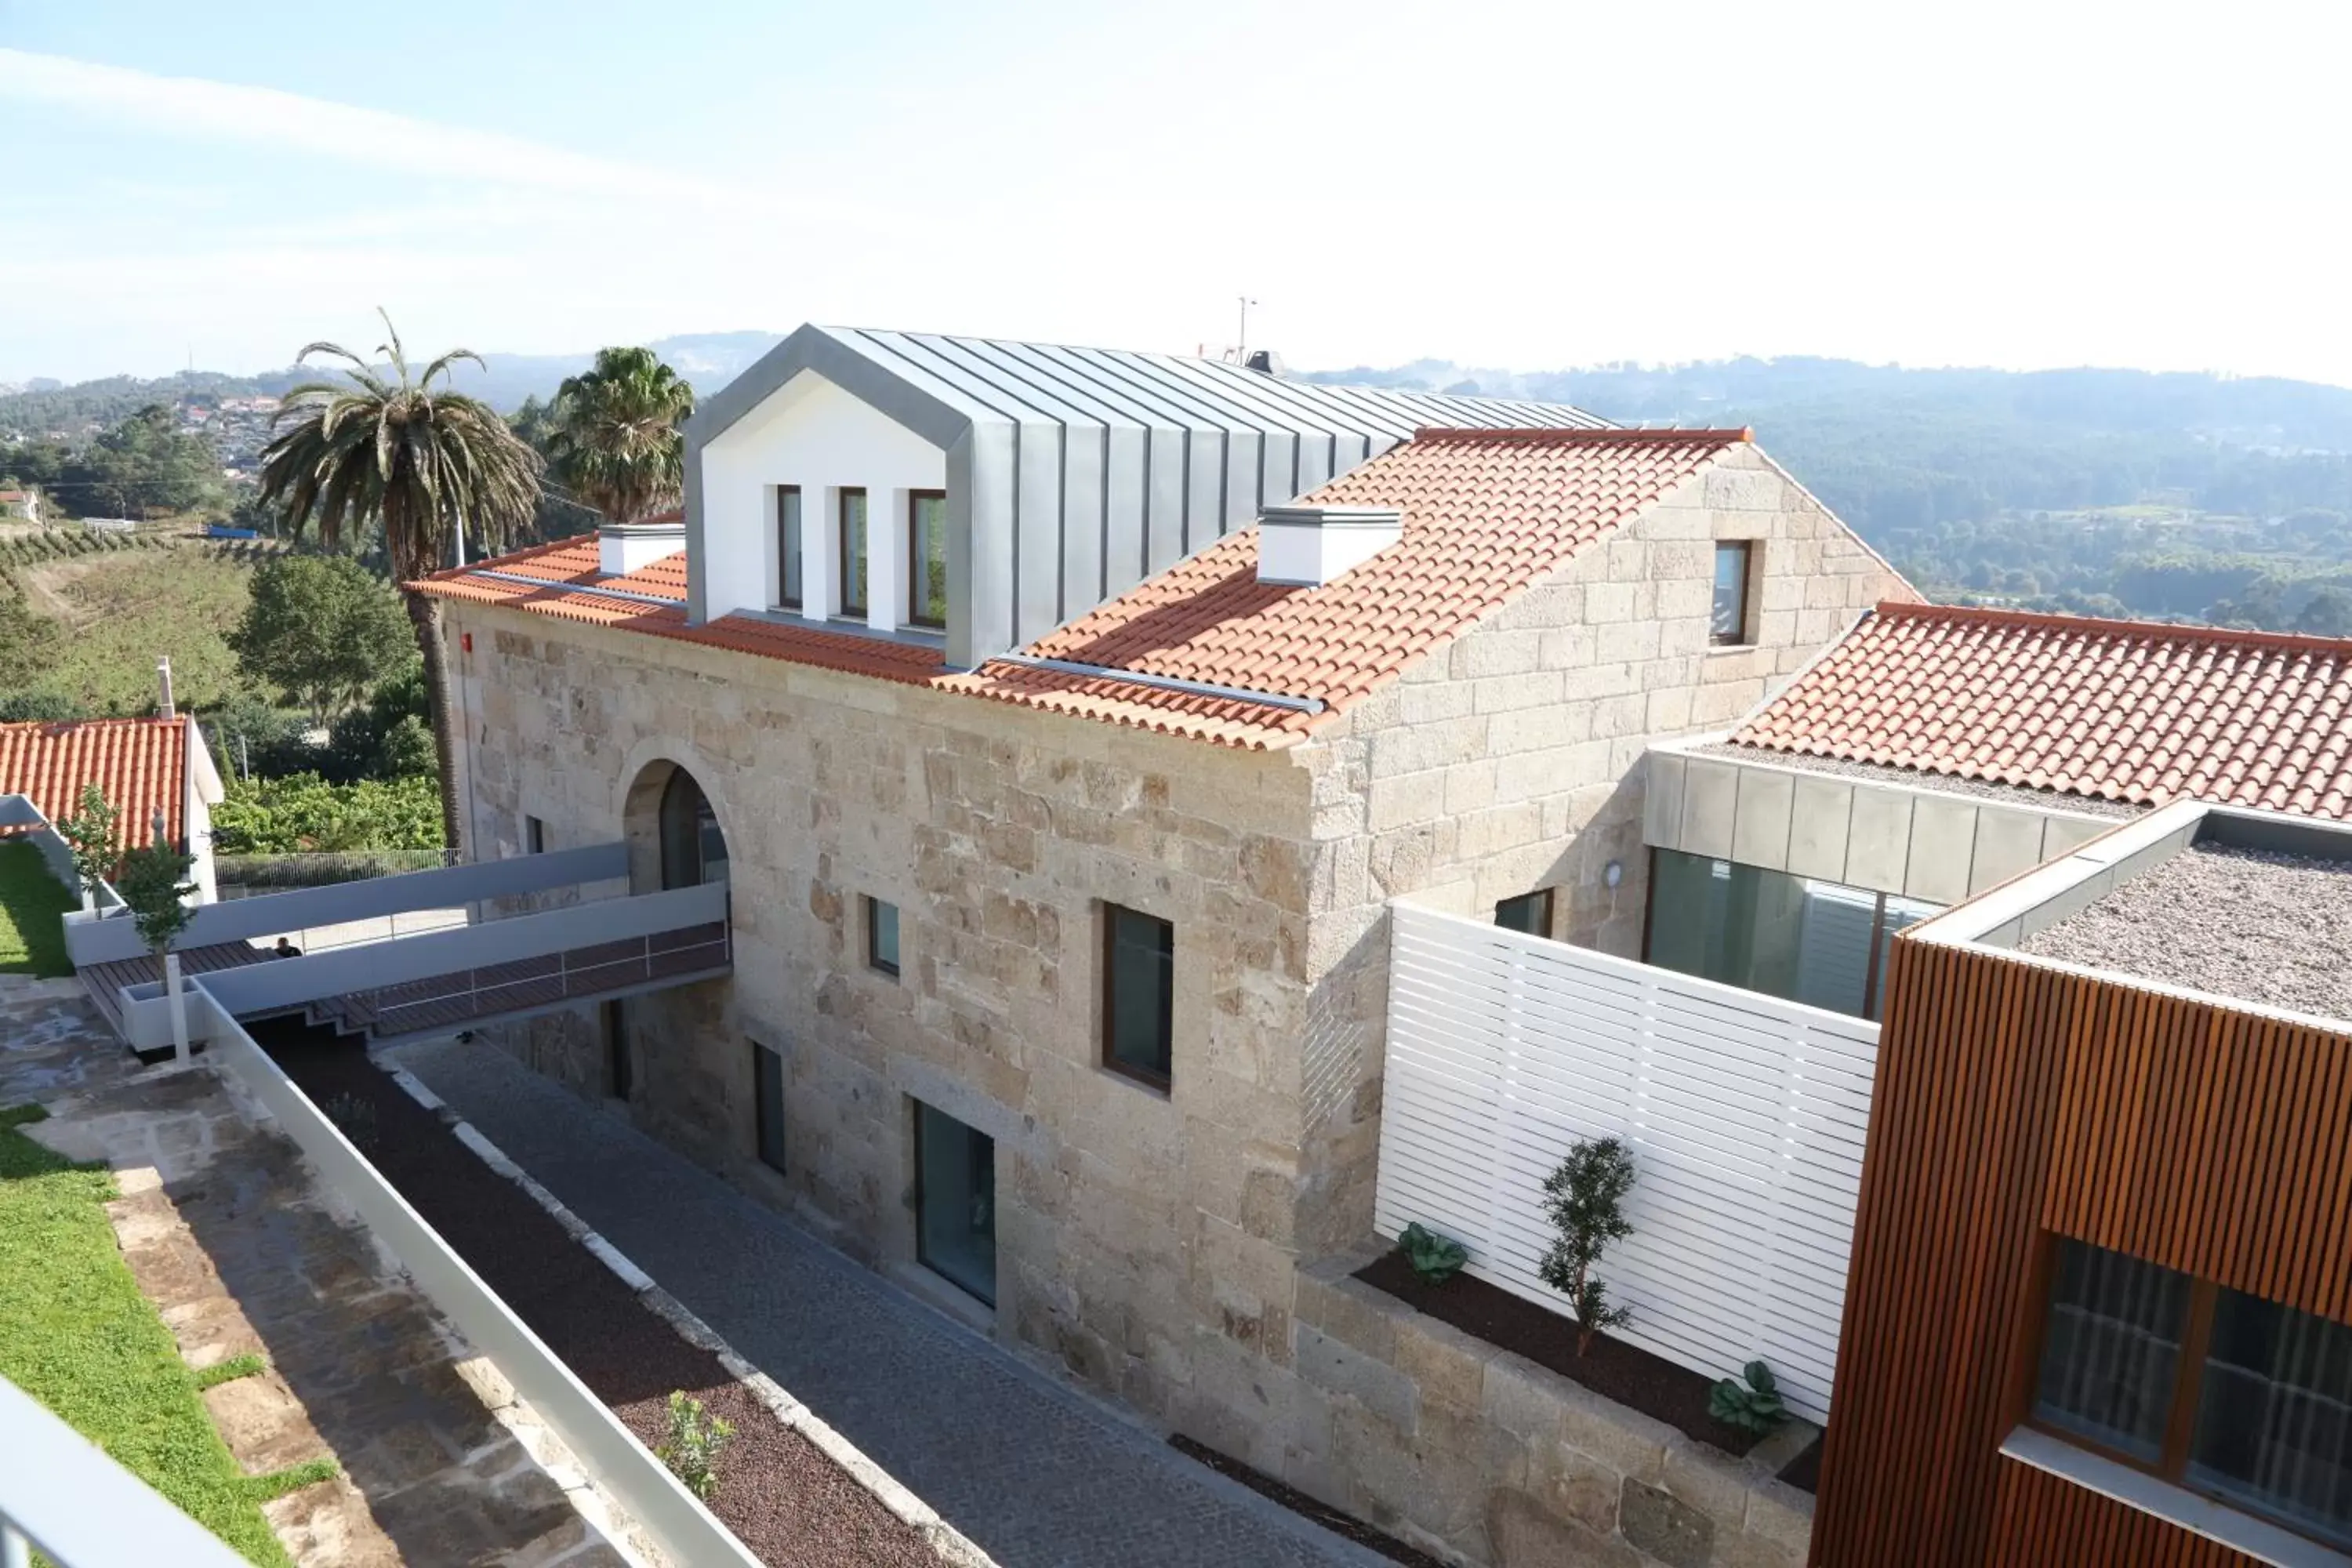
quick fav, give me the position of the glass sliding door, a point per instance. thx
(1822, 943)
(955, 1201)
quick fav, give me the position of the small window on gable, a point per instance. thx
(927, 558)
(882, 937)
(853, 551)
(1529, 913)
(1727, 626)
(788, 546)
(1139, 994)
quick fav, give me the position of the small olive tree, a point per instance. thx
(89, 838)
(156, 884)
(1585, 1200)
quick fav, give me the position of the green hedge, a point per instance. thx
(302, 812)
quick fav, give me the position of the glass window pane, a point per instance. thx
(768, 1102)
(1901, 914)
(1729, 622)
(1139, 1006)
(788, 545)
(882, 935)
(853, 553)
(2274, 1418)
(2111, 1348)
(955, 1229)
(1529, 913)
(928, 555)
(1791, 937)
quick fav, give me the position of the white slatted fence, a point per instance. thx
(1745, 1116)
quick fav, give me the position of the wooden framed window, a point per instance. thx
(1139, 994)
(1529, 913)
(788, 547)
(927, 558)
(1727, 626)
(853, 551)
(882, 937)
(2240, 1400)
(768, 1105)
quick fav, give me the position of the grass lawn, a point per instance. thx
(32, 940)
(76, 1335)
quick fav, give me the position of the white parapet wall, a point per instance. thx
(1746, 1117)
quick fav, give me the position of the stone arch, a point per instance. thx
(675, 822)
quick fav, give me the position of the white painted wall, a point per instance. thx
(1746, 1117)
(811, 434)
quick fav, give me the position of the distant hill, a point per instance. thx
(45, 407)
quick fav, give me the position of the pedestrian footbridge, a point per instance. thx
(602, 941)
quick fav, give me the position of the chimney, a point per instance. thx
(625, 547)
(164, 675)
(1307, 546)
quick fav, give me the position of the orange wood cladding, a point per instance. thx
(2012, 1101)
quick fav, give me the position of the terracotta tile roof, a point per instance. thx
(141, 763)
(2126, 711)
(1487, 514)
(560, 580)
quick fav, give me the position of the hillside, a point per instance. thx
(115, 605)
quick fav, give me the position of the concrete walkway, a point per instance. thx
(1033, 1472)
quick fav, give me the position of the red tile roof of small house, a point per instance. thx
(141, 763)
(2124, 710)
(1487, 513)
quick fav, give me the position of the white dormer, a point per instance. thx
(1307, 546)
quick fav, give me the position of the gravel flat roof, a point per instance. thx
(1946, 784)
(2252, 924)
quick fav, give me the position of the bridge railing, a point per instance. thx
(62, 1493)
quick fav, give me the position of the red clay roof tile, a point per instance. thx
(1487, 514)
(141, 763)
(2127, 711)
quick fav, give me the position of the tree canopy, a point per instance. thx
(322, 629)
(613, 438)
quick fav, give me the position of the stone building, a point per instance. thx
(1060, 796)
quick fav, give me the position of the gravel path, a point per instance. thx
(1032, 1471)
(2247, 923)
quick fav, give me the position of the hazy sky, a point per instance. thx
(1530, 186)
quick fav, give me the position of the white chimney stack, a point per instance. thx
(164, 677)
(1307, 546)
(625, 547)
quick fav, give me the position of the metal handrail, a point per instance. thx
(640, 961)
(62, 1493)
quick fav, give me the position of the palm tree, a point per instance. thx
(425, 465)
(614, 441)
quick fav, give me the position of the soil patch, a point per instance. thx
(1804, 1471)
(1299, 1504)
(1611, 1368)
(777, 1491)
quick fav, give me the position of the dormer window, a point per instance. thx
(853, 551)
(927, 558)
(788, 546)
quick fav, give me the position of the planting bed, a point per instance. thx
(1611, 1368)
(778, 1492)
(1298, 1502)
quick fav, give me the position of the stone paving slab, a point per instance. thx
(1035, 1473)
(224, 1228)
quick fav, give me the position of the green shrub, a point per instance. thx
(696, 1440)
(1435, 1258)
(354, 1118)
(1754, 1407)
(303, 812)
(1585, 1199)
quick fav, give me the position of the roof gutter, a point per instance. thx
(1161, 683)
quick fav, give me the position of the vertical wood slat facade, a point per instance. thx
(2015, 1101)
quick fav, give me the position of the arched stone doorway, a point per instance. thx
(674, 833)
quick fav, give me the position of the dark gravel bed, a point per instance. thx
(2249, 923)
(778, 1492)
(1611, 1368)
(1299, 1504)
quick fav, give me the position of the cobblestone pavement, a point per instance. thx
(228, 1235)
(1034, 1473)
